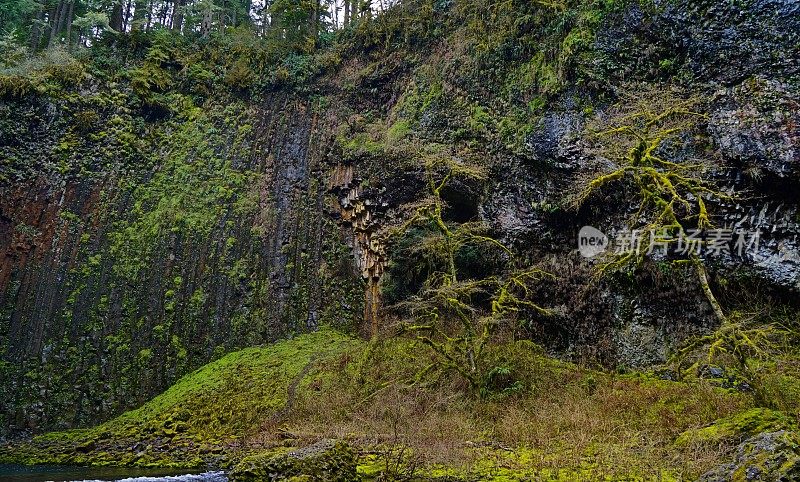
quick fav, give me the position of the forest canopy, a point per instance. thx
(301, 23)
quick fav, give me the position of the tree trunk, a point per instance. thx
(346, 13)
(702, 274)
(150, 7)
(205, 25)
(336, 14)
(36, 29)
(55, 22)
(248, 5)
(127, 15)
(315, 16)
(115, 22)
(162, 18)
(177, 15)
(139, 12)
(68, 21)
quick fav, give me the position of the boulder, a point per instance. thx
(324, 461)
(768, 456)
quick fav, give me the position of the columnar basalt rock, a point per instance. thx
(115, 283)
(362, 216)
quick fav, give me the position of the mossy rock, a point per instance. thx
(769, 456)
(738, 427)
(327, 460)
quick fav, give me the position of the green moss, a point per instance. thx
(398, 131)
(738, 427)
(206, 415)
(51, 73)
(360, 144)
(767, 456)
(421, 97)
(780, 380)
(523, 464)
(514, 127)
(537, 72)
(13, 86)
(198, 416)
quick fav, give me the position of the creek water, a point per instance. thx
(58, 473)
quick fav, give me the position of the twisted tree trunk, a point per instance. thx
(702, 274)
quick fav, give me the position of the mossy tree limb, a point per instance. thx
(457, 317)
(635, 137)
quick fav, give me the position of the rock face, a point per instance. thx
(768, 446)
(362, 215)
(725, 42)
(755, 125)
(741, 426)
(152, 251)
(325, 461)
(756, 36)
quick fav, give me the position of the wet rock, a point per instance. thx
(511, 212)
(553, 140)
(86, 447)
(707, 40)
(57, 230)
(766, 241)
(640, 342)
(710, 371)
(324, 461)
(646, 328)
(731, 41)
(755, 125)
(768, 456)
(722, 378)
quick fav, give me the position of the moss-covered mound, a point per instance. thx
(738, 427)
(196, 421)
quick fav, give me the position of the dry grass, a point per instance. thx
(567, 417)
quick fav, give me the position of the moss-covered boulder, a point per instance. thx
(738, 427)
(327, 460)
(769, 456)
